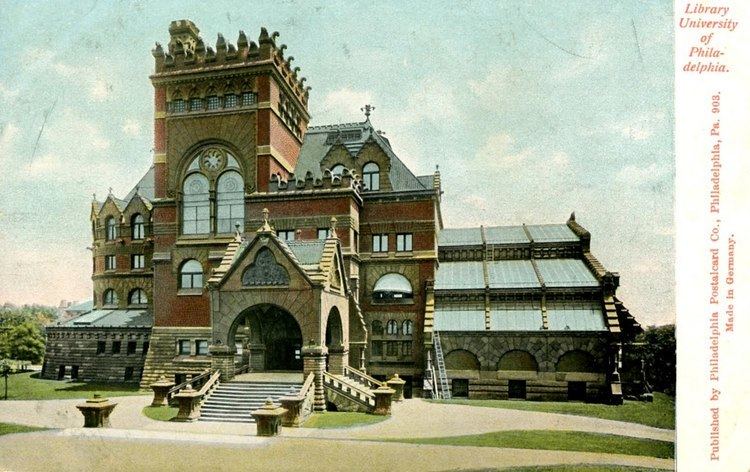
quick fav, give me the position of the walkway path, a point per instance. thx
(222, 445)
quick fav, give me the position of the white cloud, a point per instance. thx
(433, 101)
(7, 93)
(43, 166)
(100, 90)
(131, 127)
(343, 105)
(8, 135)
(638, 175)
(641, 127)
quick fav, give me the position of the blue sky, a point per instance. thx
(531, 109)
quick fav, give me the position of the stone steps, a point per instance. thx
(232, 401)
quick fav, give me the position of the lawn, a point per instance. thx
(10, 428)
(557, 441)
(659, 414)
(341, 419)
(161, 413)
(582, 468)
(28, 386)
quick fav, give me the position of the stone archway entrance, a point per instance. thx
(272, 337)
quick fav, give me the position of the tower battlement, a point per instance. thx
(187, 52)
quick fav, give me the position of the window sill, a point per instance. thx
(378, 254)
(188, 292)
(404, 254)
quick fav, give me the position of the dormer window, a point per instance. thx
(337, 170)
(111, 227)
(137, 227)
(371, 176)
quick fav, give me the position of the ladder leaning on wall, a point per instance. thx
(443, 387)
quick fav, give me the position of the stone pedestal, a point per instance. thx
(383, 396)
(397, 384)
(188, 400)
(222, 358)
(268, 418)
(338, 358)
(161, 390)
(292, 403)
(96, 412)
(314, 362)
(615, 394)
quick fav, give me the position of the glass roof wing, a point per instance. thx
(551, 233)
(460, 237)
(516, 319)
(512, 274)
(566, 273)
(575, 318)
(459, 275)
(459, 320)
(505, 235)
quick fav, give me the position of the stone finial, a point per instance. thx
(110, 191)
(93, 195)
(367, 109)
(158, 51)
(183, 36)
(265, 227)
(572, 216)
(221, 43)
(237, 234)
(242, 40)
(333, 228)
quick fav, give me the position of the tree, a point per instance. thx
(23, 342)
(656, 350)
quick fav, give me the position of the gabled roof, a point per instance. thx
(315, 258)
(144, 190)
(353, 136)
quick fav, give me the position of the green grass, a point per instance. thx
(659, 414)
(582, 468)
(28, 386)
(10, 428)
(161, 413)
(557, 441)
(341, 419)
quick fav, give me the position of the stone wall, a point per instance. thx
(474, 357)
(77, 347)
(164, 359)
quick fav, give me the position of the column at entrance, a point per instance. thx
(314, 362)
(222, 358)
(338, 358)
(257, 356)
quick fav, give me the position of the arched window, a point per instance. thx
(191, 274)
(137, 297)
(392, 287)
(371, 176)
(337, 170)
(213, 170)
(195, 205)
(230, 202)
(137, 228)
(377, 327)
(406, 327)
(391, 327)
(111, 226)
(110, 297)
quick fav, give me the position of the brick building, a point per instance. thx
(258, 239)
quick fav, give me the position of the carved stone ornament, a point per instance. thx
(213, 159)
(265, 271)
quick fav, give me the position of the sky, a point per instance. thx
(531, 110)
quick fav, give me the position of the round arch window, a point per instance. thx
(392, 287)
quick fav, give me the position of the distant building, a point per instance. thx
(257, 240)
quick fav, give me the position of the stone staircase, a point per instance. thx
(232, 401)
